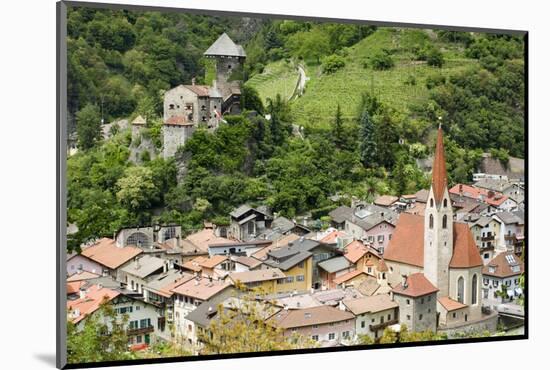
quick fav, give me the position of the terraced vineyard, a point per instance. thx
(279, 77)
(398, 87)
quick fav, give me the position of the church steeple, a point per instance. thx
(438, 224)
(439, 170)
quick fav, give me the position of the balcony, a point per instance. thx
(139, 331)
(511, 237)
(488, 238)
(383, 325)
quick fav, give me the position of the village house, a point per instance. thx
(501, 279)
(444, 252)
(416, 297)
(373, 314)
(508, 188)
(216, 266)
(158, 292)
(451, 312)
(333, 268)
(372, 224)
(109, 256)
(282, 226)
(138, 273)
(511, 230)
(188, 296)
(487, 234)
(339, 215)
(334, 237)
(263, 280)
(197, 243)
(247, 223)
(386, 201)
(294, 261)
(326, 325)
(276, 244)
(141, 329)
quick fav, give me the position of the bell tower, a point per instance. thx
(438, 224)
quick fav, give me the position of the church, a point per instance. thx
(188, 106)
(442, 251)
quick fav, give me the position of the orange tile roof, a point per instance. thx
(202, 289)
(195, 264)
(73, 287)
(385, 200)
(382, 267)
(348, 276)
(90, 303)
(355, 250)
(439, 171)
(213, 261)
(407, 244)
(82, 275)
(450, 304)
(106, 253)
(417, 285)
(501, 266)
(167, 289)
(330, 238)
(201, 239)
(492, 198)
(287, 319)
(465, 252)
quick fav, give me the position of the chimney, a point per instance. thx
(82, 293)
(165, 267)
(136, 263)
(404, 281)
(99, 286)
(193, 81)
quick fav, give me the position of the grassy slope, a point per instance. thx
(278, 78)
(317, 106)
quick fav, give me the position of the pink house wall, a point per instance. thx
(384, 229)
(87, 265)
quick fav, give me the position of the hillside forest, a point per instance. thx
(363, 125)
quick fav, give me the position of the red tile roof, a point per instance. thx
(439, 171)
(417, 285)
(106, 253)
(319, 315)
(465, 252)
(177, 121)
(355, 250)
(450, 304)
(95, 296)
(407, 244)
(492, 198)
(82, 275)
(200, 90)
(500, 267)
(349, 276)
(213, 261)
(331, 237)
(202, 289)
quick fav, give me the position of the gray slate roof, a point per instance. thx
(335, 264)
(282, 224)
(240, 210)
(224, 46)
(147, 265)
(341, 214)
(509, 218)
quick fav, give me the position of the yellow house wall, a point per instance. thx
(299, 286)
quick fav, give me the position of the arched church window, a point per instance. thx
(460, 290)
(445, 203)
(444, 221)
(474, 289)
(431, 203)
(431, 221)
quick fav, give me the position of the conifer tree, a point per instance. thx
(367, 145)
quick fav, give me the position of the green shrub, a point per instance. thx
(435, 80)
(411, 80)
(382, 61)
(434, 58)
(145, 156)
(333, 63)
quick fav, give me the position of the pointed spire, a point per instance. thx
(439, 171)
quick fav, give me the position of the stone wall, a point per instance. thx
(174, 137)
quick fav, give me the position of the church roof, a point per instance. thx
(407, 244)
(224, 46)
(439, 172)
(417, 286)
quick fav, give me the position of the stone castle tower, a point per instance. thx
(438, 224)
(230, 59)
